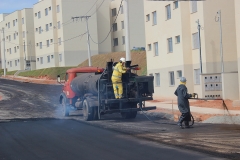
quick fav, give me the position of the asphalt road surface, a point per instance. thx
(32, 125)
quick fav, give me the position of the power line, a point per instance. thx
(110, 29)
(91, 7)
(97, 8)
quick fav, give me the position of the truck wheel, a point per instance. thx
(95, 113)
(129, 115)
(65, 108)
(87, 111)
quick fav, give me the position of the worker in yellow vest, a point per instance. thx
(118, 70)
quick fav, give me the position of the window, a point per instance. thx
(40, 45)
(35, 14)
(114, 12)
(37, 44)
(58, 8)
(196, 76)
(175, 4)
(16, 20)
(13, 22)
(147, 17)
(60, 57)
(179, 74)
(15, 62)
(115, 42)
(170, 47)
(51, 40)
(59, 41)
(15, 49)
(38, 59)
(123, 39)
(114, 27)
(149, 47)
(52, 56)
(122, 22)
(40, 30)
(9, 37)
(195, 40)
(121, 9)
(59, 25)
(47, 29)
(50, 24)
(41, 60)
(10, 51)
(177, 39)
(39, 14)
(46, 12)
(23, 34)
(10, 63)
(155, 48)
(48, 59)
(47, 43)
(8, 24)
(14, 35)
(36, 29)
(22, 20)
(168, 12)
(50, 8)
(157, 79)
(194, 6)
(154, 18)
(172, 81)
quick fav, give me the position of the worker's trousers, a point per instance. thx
(117, 87)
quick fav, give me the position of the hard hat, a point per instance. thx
(183, 79)
(122, 59)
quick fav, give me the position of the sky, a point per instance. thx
(9, 6)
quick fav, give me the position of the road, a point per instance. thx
(37, 106)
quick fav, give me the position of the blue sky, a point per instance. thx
(9, 6)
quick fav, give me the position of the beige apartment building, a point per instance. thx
(173, 48)
(19, 37)
(61, 40)
(136, 24)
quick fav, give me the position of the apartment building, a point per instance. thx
(173, 48)
(19, 35)
(136, 24)
(237, 19)
(61, 40)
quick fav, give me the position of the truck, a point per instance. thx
(90, 89)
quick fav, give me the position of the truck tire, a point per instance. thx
(87, 111)
(65, 108)
(129, 115)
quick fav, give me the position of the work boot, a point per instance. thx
(186, 123)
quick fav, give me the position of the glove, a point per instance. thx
(193, 94)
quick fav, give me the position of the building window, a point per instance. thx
(35, 14)
(170, 47)
(149, 47)
(15, 62)
(58, 8)
(157, 79)
(38, 59)
(196, 76)
(40, 45)
(60, 57)
(46, 12)
(39, 14)
(114, 12)
(14, 35)
(122, 22)
(177, 39)
(168, 12)
(15, 49)
(9, 37)
(23, 34)
(154, 17)
(59, 41)
(114, 27)
(50, 8)
(51, 40)
(123, 39)
(37, 44)
(52, 56)
(59, 25)
(155, 48)
(115, 42)
(179, 74)
(194, 6)
(8, 24)
(13, 22)
(47, 43)
(175, 4)
(22, 20)
(195, 40)
(147, 17)
(41, 60)
(121, 9)
(47, 28)
(10, 63)
(50, 24)
(48, 59)
(172, 80)
(10, 51)
(40, 30)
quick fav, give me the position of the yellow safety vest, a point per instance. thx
(118, 70)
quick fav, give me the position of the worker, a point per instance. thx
(183, 103)
(118, 70)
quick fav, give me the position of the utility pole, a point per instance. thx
(199, 43)
(88, 42)
(221, 45)
(30, 55)
(4, 53)
(127, 34)
(25, 58)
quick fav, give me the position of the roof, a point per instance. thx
(85, 70)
